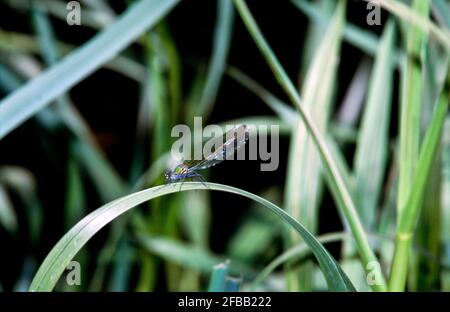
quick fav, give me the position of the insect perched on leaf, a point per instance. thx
(226, 146)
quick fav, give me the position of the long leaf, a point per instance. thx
(69, 245)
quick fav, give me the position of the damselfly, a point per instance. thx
(225, 147)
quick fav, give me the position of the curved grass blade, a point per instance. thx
(69, 245)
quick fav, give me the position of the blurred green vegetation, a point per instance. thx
(379, 144)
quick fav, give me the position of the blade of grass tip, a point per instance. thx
(304, 180)
(417, 20)
(411, 106)
(408, 220)
(371, 149)
(222, 38)
(445, 204)
(29, 99)
(338, 187)
(218, 277)
(60, 256)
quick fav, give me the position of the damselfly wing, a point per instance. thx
(223, 148)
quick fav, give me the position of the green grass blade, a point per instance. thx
(222, 38)
(408, 220)
(411, 106)
(304, 183)
(372, 145)
(338, 187)
(69, 245)
(218, 277)
(29, 99)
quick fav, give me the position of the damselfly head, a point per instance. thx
(168, 175)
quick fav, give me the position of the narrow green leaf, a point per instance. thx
(218, 277)
(372, 145)
(411, 106)
(222, 38)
